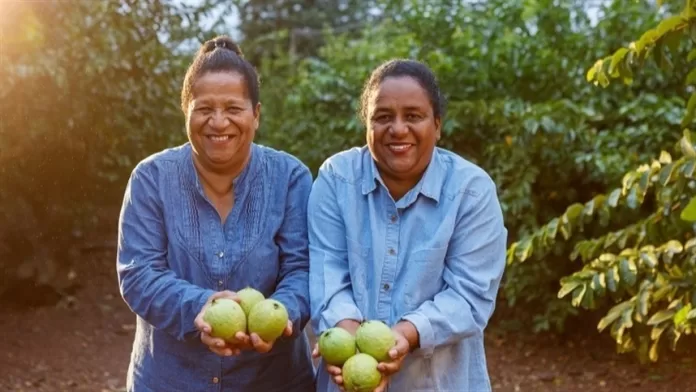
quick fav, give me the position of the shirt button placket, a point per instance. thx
(392, 239)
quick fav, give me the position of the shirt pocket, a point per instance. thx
(425, 268)
(358, 264)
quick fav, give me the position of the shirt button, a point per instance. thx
(221, 254)
(216, 380)
(219, 283)
(392, 251)
(393, 218)
(386, 287)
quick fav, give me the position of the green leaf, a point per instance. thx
(691, 315)
(614, 196)
(689, 212)
(613, 314)
(689, 114)
(649, 258)
(599, 284)
(613, 279)
(616, 59)
(568, 287)
(628, 271)
(661, 316)
(669, 24)
(578, 295)
(524, 249)
(681, 317)
(691, 77)
(643, 304)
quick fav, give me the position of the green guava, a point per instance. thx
(226, 317)
(375, 338)
(268, 319)
(249, 297)
(336, 345)
(360, 373)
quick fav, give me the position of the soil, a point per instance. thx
(82, 344)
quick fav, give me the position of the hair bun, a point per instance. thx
(223, 42)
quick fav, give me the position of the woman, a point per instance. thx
(410, 234)
(205, 219)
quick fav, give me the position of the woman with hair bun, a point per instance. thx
(205, 219)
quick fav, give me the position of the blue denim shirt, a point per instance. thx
(174, 252)
(435, 258)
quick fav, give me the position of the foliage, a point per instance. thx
(547, 137)
(644, 268)
(89, 88)
(298, 24)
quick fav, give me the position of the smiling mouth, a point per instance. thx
(399, 147)
(220, 138)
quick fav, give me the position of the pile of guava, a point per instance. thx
(254, 313)
(359, 355)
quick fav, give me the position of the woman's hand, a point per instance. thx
(335, 371)
(263, 347)
(406, 338)
(217, 345)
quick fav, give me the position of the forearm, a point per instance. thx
(449, 318)
(342, 307)
(293, 292)
(163, 300)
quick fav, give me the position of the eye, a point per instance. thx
(381, 118)
(234, 109)
(413, 117)
(203, 109)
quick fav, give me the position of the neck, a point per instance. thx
(218, 180)
(398, 187)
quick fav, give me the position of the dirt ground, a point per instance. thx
(83, 345)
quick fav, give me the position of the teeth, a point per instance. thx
(219, 138)
(399, 147)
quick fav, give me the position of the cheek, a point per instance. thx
(195, 123)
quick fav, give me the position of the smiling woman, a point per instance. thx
(410, 234)
(204, 220)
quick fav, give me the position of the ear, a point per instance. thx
(257, 115)
(438, 133)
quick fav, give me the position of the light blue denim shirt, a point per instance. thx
(435, 258)
(174, 252)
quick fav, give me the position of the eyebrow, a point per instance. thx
(407, 108)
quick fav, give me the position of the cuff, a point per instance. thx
(330, 317)
(294, 314)
(191, 332)
(426, 338)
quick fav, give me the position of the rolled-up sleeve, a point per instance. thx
(474, 266)
(148, 286)
(293, 285)
(331, 292)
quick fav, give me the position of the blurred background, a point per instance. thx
(579, 109)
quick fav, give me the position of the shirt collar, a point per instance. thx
(430, 185)
(240, 182)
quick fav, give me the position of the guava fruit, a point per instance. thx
(268, 319)
(226, 317)
(360, 373)
(375, 338)
(336, 345)
(249, 297)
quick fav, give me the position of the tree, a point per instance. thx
(298, 24)
(643, 265)
(89, 88)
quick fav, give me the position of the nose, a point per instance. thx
(398, 128)
(218, 120)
